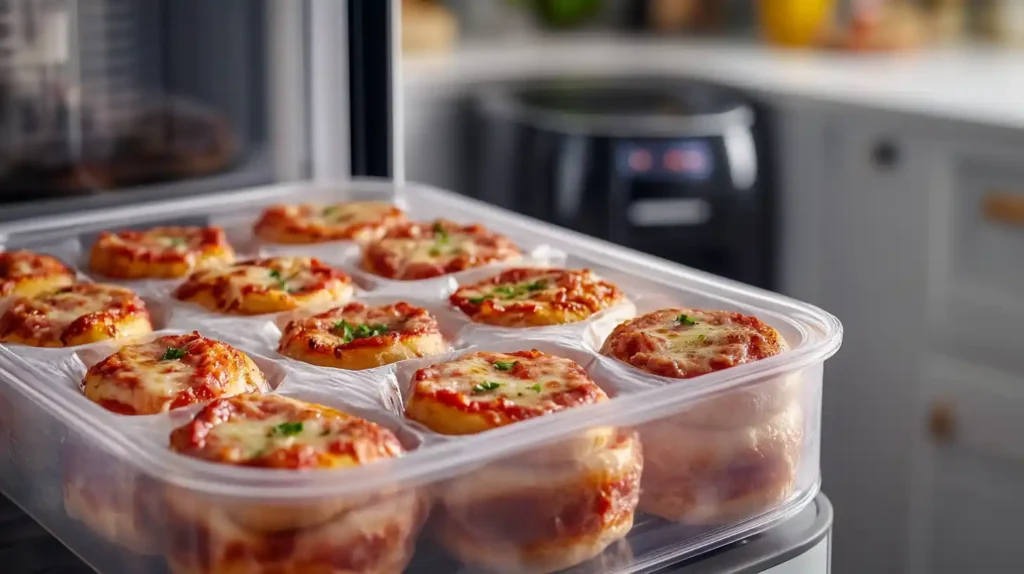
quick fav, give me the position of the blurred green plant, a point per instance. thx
(561, 13)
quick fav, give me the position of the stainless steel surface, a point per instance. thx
(800, 545)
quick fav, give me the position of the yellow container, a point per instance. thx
(795, 23)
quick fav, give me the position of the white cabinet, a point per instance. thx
(967, 500)
(911, 231)
(868, 262)
(977, 253)
(967, 497)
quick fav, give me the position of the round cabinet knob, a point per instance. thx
(885, 155)
(942, 422)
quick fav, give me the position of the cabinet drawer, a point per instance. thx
(990, 227)
(975, 520)
(978, 268)
(975, 409)
(966, 501)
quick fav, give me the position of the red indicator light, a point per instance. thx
(640, 160)
(680, 161)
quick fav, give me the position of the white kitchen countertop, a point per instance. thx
(974, 84)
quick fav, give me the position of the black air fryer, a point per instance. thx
(676, 169)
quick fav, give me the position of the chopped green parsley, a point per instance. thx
(287, 429)
(282, 282)
(440, 234)
(485, 387)
(505, 365)
(351, 332)
(172, 353)
(513, 291)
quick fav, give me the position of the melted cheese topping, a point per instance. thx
(21, 267)
(161, 378)
(153, 242)
(257, 436)
(351, 213)
(425, 250)
(280, 432)
(357, 336)
(684, 342)
(287, 275)
(299, 224)
(356, 322)
(161, 252)
(704, 340)
(538, 288)
(16, 264)
(77, 314)
(166, 242)
(66, 307)
(530, 297)
(501, 388)
(422, 250)
(474, 376)
(28, 273)
(288, 278)
(171, 372)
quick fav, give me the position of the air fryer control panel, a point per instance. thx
(676, 198)
(688, 160)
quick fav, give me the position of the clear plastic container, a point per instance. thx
(724, 455)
